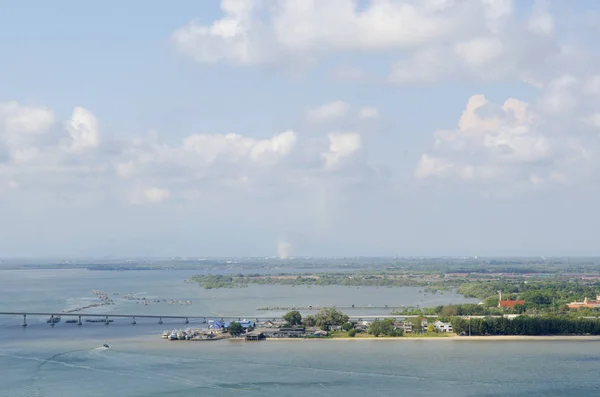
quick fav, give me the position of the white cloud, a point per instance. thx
(479, 51)
(328, 112)
(18, 119)
(22, 129)
(432, 40)
(510, 142)
(83, 129)
(341, 146)
(368, 112)
(235, 148)
(232, 39)
(305, 29)
(541, 21)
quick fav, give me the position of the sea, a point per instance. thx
(69, 360)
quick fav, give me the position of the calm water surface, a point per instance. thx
(66, 360)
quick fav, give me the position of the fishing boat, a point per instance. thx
(53, 320)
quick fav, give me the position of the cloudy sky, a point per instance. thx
(299, 127)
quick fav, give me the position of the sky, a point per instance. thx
(299, 128)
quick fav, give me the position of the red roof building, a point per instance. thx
(509, 303)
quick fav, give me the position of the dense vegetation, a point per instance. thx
(384, 327)
(525, 325)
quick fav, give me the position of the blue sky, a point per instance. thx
(440, 127)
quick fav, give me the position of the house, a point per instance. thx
(320, 333)
(293, 332)
(335, 328)
(216, 325)
(586, 303)
(254, 336)
(360, 328)
(247, 324)
(424, 323)
(406, 327)
(510, 303)
(442, 326)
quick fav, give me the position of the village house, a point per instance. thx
(507, 304)
(442, 326)
(586, 303)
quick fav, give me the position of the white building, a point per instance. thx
(442, 327)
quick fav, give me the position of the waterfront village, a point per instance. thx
(328, 323)
(332, 323)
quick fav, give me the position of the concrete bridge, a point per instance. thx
(186, 319)
(106, 317)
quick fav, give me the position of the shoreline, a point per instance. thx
(491, 338)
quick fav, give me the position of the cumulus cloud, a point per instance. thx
(512, 141)
(328, 112)
(23, 128)
(308, 28)
(235, 148)
(341, 146)
(83, 129)
(431, 40)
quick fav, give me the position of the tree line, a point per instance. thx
(526, 325)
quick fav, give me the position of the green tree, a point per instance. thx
(417, 323)
(384, 327)
(348, 326)
(352, 333)
(235, 329)
(293, 318)
(329, 316)
(309, 321)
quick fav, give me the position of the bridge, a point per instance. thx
(185, 318)
(106, 317)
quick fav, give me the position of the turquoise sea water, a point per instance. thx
(66, 360)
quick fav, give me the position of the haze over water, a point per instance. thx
(66, 360)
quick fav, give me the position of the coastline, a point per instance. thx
(492, 338)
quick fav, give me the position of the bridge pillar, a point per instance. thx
(24, 320)
(106, 321)
(160, 320)
(187, 321)
(79, 320)
(52, 320)
(133, 322)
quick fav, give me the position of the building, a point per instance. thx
(247, 324)
(254, 336)
(510, 303)
(586, 303)
(442, 326)
(216, 325)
